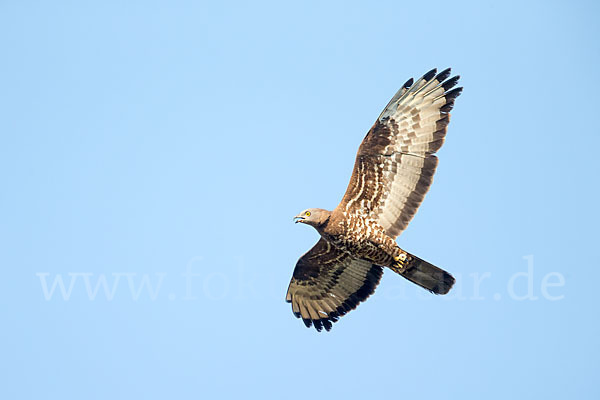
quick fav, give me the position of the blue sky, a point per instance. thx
(163, 148)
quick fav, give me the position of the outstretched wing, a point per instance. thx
(395, 162)
(328, 283)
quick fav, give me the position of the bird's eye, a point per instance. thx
(307, 213)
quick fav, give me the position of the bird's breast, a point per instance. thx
(353, 234)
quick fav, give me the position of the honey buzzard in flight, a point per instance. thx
(393, 170)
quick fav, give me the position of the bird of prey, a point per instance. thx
(393, 171)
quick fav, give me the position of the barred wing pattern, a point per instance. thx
(328, 283)
(395, 162)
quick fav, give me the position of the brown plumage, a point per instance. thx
(392, 173)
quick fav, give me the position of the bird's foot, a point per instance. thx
(400, 261)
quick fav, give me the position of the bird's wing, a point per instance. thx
(395, 162)
(328, 283)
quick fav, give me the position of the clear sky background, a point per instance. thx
(143, 142)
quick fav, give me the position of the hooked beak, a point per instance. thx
(298, 218)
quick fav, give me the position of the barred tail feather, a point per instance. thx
(424, 274)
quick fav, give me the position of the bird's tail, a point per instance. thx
(422, 273)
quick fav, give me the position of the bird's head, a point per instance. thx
(313, 216)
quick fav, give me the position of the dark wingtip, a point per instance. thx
(430, 74)
(451, 95)
(450, 83)
(307, 322)
(443, 75)
(318, 325)
(454, 93)
(408, 83)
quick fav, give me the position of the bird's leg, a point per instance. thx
(396, 258)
